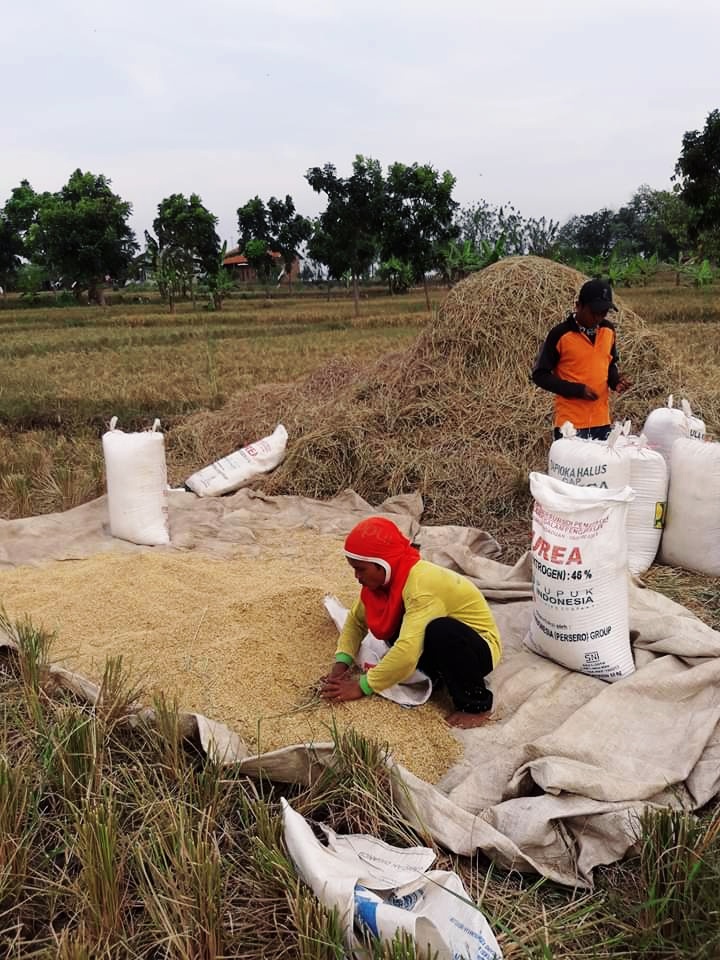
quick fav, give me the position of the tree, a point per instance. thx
(21, 210)
(218, 282)
(589, 235)
(476, 222)
(698, 174)
(655, 223)
(504, 228)
(30, 280)
(169, 267)
(540, 236)
(255, 239)
(259, 256)
(275, 229)
(348, 234)
(187, 239)
(398, 274)
(81, 233)
(418, 219)
(11, 248)
(288, 231)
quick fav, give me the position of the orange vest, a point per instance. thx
(584, 362)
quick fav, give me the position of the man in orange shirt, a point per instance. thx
(578, 362)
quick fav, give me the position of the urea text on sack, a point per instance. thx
(556, 553)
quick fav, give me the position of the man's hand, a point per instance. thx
(341, 689)
(623, 384)
(589, 394)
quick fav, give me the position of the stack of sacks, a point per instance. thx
(617, 462)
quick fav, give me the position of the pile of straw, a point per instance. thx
(455, 415)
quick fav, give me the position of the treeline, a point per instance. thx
(400, 225)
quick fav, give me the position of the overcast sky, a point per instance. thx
(558, 106)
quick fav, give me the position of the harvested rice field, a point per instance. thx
(190, 859)
(241, 641)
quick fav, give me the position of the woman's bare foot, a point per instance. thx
(468, 720)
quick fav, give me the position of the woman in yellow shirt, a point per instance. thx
(433, 619)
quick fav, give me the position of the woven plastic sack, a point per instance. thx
(136, 475)
(240, 468)
(382, 890)
(667, 424)
(646, 513)
(580, 581)
(692, 531)
(588, 463)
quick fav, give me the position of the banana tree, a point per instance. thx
(218, 281)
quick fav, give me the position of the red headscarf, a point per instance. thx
(377, 540)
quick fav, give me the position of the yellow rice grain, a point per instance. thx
(241, 641)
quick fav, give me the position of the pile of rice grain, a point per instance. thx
(241, 641)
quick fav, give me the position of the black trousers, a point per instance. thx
(457, 655)
(587, 433)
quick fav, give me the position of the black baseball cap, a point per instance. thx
(597, 294)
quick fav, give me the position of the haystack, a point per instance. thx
(454, 416)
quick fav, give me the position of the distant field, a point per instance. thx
(69, 368)
(64, 371)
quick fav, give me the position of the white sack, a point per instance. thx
(646, 513)
(617, 462)
(667, 424)
(692, 531)
(136, 475)
(380, 889)
(588, 463)
(412, 692)
(580, 582)
(241, 467)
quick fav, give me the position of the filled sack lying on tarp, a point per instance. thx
(240, 468)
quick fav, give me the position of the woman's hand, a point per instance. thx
(342, 688)
(339, 669)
